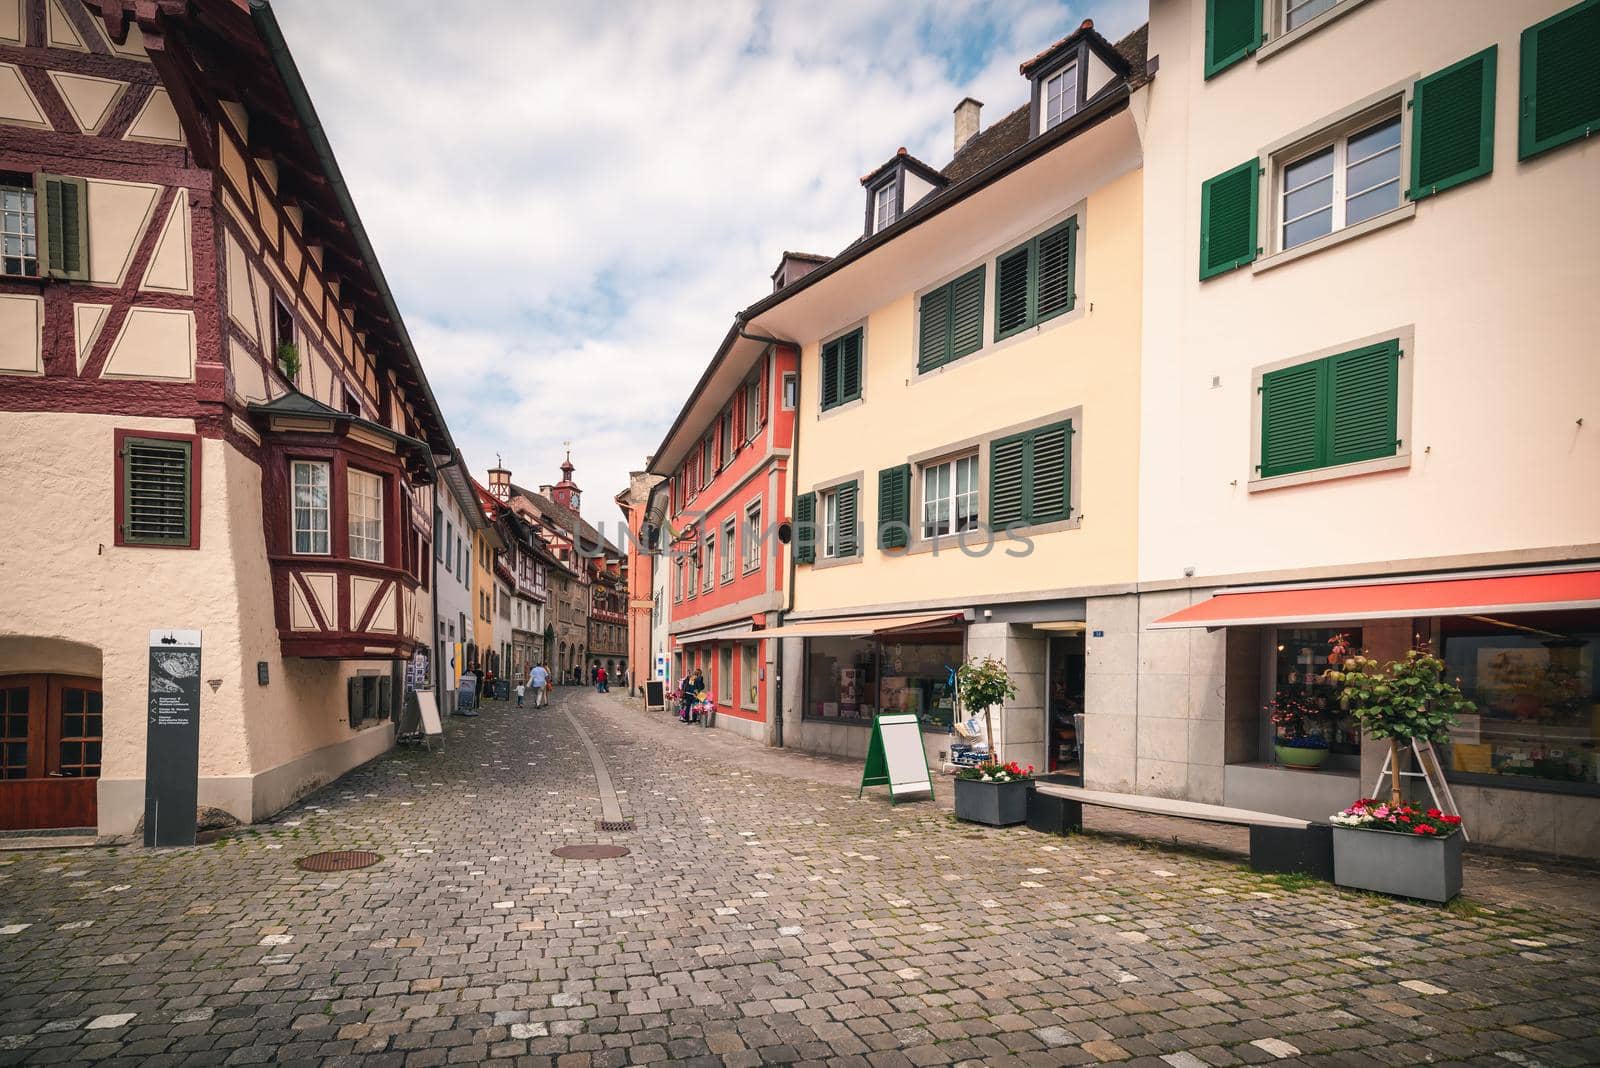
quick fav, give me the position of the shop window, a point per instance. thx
(1300, 657)
(725, 674)
(841, 680)
(1536, 682)
(749, 676)
(852, 679)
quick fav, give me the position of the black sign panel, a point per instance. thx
(467, 693)
(655, 695)
(172, 738)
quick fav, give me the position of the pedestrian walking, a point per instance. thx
(539, 678)
(600, 680)
(694, 689)
(522, 688)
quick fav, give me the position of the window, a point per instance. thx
(157, 504)
(708, 461)
(19, 228)
(841, 370)
(1337, 410)
(1030, 477)
(1034, 282)
(692, 587)
(950, 321)
(838, 507)
(749, 676)
(677, 581)
(950, 496)
(1561, 98)
(728, 550)
(710, 561)
(884, 207)
(752, 408)
(791, 391)
(725, 674)
(449, 540)
(752, 537)
(1299, 658)
(1348, 179)
(366, 516)
(311, 507)
(284, 354)
(727, 438)
(1297, 13)
(1060, 95)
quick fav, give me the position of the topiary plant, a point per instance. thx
(982, 685)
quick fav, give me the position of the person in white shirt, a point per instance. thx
(539, 679)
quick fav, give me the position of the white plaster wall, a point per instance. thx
(1497, 275)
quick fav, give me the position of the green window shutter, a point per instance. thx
(1292, 419)
(1013, 285)
(850, 367)
(156, 490)
(1560, 80)
(1228, 205)
(804, 528)
(1233, 31)
(830, 375)
(1050, 473)
(966, 314)
(1056, 260)
(848, 543)
(1363, 387)
(66, 226)
(1452, 132)
(933, 333)
(1007, 488)
(894, 506)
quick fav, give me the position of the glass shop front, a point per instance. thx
(851, 680)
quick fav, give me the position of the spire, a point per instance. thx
(565, 492)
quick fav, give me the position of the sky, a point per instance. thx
(571, 201)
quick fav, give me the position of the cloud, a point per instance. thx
(570, 201)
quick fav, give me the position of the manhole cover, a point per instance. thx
(338, 860)
(590, 852)
(614, 825)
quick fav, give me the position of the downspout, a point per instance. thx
(788, 586)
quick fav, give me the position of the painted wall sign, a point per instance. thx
(172, 738)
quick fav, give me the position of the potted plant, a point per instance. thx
(994, 794)
(983, 684)
(1298, 738)
(1390, 846)
(289, 360)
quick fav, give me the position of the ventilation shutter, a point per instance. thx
(1055, 270)
(1051, 473)
(849, 543)
(1228, 220)
(850, 367)
(933, 340)
(966, 314)
(1233, 31)
(804, 530)
(156, 491)
(1452, 139)
(1364, 387)
(1006, 497)
(66, 216)
(1560, 79)
(1291, 419)
(830, 374)
(1011, 283)
(894, 506)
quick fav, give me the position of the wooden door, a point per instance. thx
(50, 745)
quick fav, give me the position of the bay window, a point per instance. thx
(311, 511)
(366, 516)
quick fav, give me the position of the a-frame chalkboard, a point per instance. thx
(895, 757)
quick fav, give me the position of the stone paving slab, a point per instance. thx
(763, 916)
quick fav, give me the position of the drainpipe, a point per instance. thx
(788, 586)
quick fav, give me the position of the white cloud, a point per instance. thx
(571, 201)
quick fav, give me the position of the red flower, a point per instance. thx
(1434, 813)
(1451, 820)
(1424, 828)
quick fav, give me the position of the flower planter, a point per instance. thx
(1406, 865)
(997, 804)
(1301, 758)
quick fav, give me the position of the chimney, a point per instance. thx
(967, 121)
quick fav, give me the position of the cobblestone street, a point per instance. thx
(764, 915)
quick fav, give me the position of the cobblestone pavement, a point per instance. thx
(763, 916)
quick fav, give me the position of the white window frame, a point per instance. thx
(950, 497)
(709, 572)
(1338, 138)
(828, 511)
(326, 529)
(752, 537)
(27, 207)
(884, 201)
(1067, 77)
(729, 548)
(752, 409)
(357, 481)
(791, 391)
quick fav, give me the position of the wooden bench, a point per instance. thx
(1277, 843)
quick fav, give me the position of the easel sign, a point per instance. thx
(895, 757)
(1432, 773)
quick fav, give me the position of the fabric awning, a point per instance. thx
(857, 626)
(741, 629)
(1475, 594)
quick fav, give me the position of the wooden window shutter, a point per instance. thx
(1560, 80)
(65, 215)
(763, 387)
(1452, 133)
(894, 506)
(1292, 419)
(1007, 489)
(1233, 31)
(933, 329)
(1013, 284)
(966, 314)
(1363, 389)
(850, 367)
(1054, 293)
(157, 488)
(830, 374)
(1228, 205)
(1049, 463)
(849, 541)
(737, 413)
(804, 530)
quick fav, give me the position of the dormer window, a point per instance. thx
(1071, 73)
(884, 207)
(1060, 95)
(897, 187)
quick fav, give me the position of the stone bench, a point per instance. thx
(1277, 843)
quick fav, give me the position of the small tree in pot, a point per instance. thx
(983, 684)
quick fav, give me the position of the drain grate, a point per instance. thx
(614, 825)
(591, 852)
(338, 860)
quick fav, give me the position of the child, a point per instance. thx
(522, 688)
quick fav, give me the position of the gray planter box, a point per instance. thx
(998, 804)
(1405, 865)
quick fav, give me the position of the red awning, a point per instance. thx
(1476, 594)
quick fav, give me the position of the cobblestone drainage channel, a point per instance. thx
(614, 826)
(591, 852)
(338, 860)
